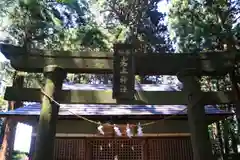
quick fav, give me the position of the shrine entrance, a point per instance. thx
(127, 61)
(157, 148)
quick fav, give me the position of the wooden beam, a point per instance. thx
(34, 63)
(105, 97)
(11, 50)
(102, 63)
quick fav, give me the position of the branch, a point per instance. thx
(238, 18)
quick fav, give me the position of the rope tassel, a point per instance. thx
(128, 130)
(100, 129)
(139, 130)
(117, 130)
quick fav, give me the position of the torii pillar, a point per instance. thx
(196, 116)
(49, 113)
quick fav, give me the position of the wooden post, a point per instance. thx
(49, 113)
(10, 123)
(196, 117)
(236, 90)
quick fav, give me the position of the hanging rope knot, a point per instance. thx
(190, 97)
(195, 98)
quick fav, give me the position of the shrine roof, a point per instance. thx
(33, 109)
(94, 109)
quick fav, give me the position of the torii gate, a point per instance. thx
(188, 67)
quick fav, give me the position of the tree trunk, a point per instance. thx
(234, 141)
(49, 114)
(8, 140)
(226, 138)
(231, 47)
(236, 91)
(219, 135)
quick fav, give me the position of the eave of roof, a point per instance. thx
(33, 109)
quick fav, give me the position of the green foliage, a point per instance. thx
(17, 155)
(65, 25)
(138, 21)
(198, 26)
(2, 102)
(94, 38)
